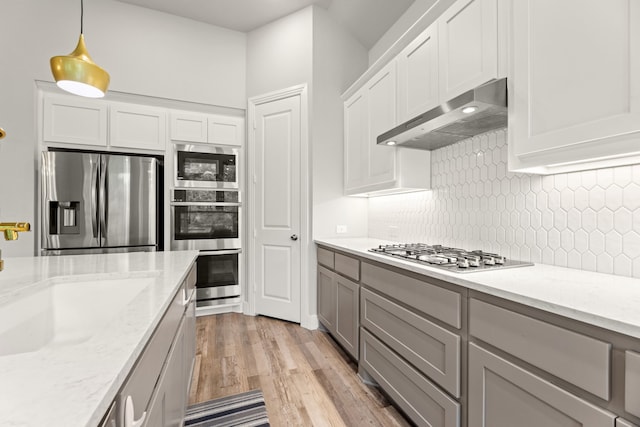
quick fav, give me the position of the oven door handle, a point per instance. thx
(205, 204)
(223, 252)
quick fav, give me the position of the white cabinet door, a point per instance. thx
(224, 130)
(468, 40)
(75, 120)
(502, 394)
(382, 101)
(190, 127)
(575, 86)
(418, 76)
(355, 140)
(137, 126)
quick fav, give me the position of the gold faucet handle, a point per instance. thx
(11, 229)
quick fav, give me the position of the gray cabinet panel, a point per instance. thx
(327, 298)
(443, 304)
(432, 349)
(502, 394)
(624, 423)
(632, 383)
(576, 358)
(141, 381)
(347, 266)
(325, 257)
(422, 401)
(348, 314)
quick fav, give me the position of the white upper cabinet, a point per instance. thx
(372, 169)
(461, 50)
(224, 130)
(75, 120)
(368, 113)
(382, 99)
(418, 76)
(189, 127)
(207, 128)
(574, 89)
(355, 140)
(137, 126)
(468, 46)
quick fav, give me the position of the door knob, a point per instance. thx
(294, 237)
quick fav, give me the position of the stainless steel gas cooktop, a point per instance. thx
(450, 259)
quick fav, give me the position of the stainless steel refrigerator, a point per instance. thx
(97, 203)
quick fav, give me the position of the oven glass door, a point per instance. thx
(218, 280)
(206, 167)
(206, 223)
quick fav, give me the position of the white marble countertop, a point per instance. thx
(74, 384)
(608, 301)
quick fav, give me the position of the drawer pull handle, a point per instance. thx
(129, 414)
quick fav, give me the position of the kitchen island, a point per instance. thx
(72, 328)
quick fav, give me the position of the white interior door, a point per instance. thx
(276, 191)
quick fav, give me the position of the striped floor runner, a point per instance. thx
(240, 410)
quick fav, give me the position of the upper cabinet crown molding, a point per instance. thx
(574, 89)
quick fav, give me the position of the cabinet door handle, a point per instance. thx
(129, 414)
(294, 237)
(186, 298)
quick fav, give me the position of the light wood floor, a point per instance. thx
(306, 378)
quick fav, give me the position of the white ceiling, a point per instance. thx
(366, 20)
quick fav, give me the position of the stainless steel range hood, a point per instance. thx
(474, 112)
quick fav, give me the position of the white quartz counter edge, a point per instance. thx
(602, 300)
(74, 385)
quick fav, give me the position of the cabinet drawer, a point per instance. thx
(430, 348)
(502, 394)
(142, 379)
(347, 266)
(624, 423)
(189, 284)
(632, 383)
(325, 257)
(576, 358)
(443, 304)
(422, 401)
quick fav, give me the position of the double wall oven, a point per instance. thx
(206, 215)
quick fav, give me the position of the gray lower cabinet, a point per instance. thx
(502, 394)
(155, 392)
(326, 284)
(632, 383)
(168, 403)
(429, 347)
(347, 314)
(338, 295)
(624, 423)
(420, 400)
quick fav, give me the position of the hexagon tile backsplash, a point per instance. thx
(586, 220)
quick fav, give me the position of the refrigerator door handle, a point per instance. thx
(103, 198)
(94, 199)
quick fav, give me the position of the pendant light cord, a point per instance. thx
(81, 16)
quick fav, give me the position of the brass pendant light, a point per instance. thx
(77, 73)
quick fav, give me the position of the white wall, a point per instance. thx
(338, 59)
(146, 52)
(279, 54)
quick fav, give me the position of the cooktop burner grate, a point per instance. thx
(448, 258)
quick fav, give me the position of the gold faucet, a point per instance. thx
(11, 230)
